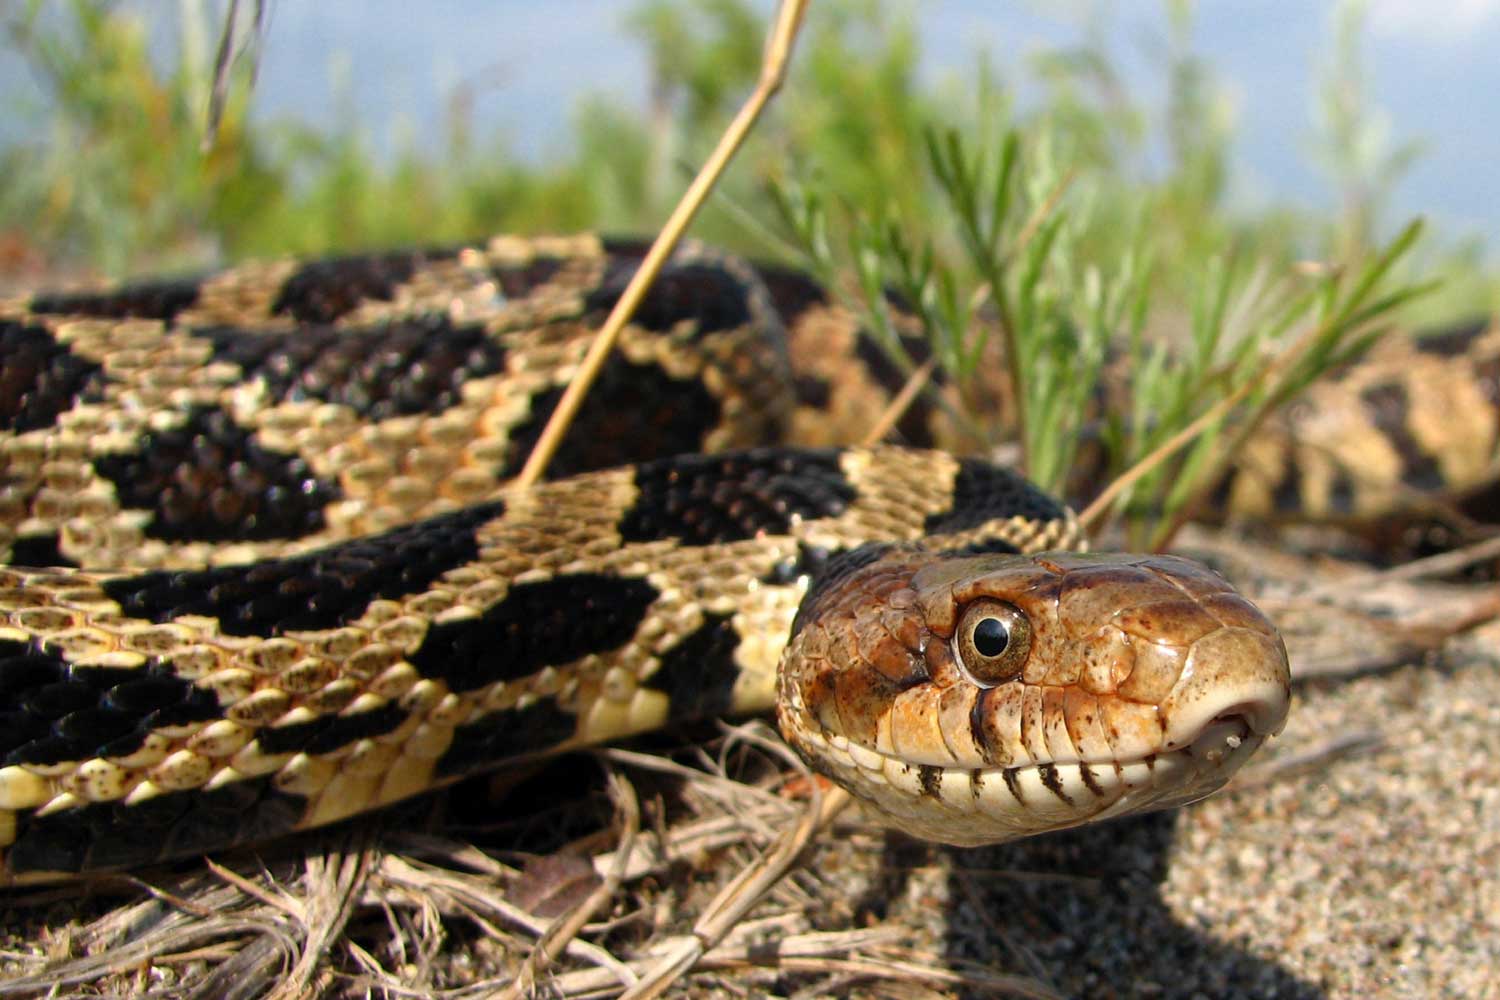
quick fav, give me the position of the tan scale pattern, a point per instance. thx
(1333, 439)
(298, 677)
(393, 471)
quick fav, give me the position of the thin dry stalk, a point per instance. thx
(899, 405)
(742, 893)
(1105, 500)
(772, 74)
(338, 880)
(830, 953)
(1441, 564)
(563, 931)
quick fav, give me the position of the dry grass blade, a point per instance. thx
(829, 953)
(742, 893)
(1095, 511)
(563, 931)
(773, 72)
(484, 905)
(337, 880)
(898, 406)
(1441, 564)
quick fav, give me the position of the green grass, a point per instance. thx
(1053, 227)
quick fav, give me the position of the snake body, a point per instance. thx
(265, 570)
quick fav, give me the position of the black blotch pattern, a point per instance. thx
(983, 492)
(323, 290)
(985, 740)
(708, 499)
(704, 293)
(38, 550)
(546, 622)
(811, 561)
(53, 711)
(411, 366)
(319, 590)
(1287, 495)
(1387, 406)
(330, 732)
(633, 412)
(698, 673)
(491, 739)
(521, 280)
(930, 778)
(915, 425)
(207, 480)
(1341, 492)
(106, 835)
(812, 391)
(792, 292)
(1451, 341)
(40, 378)
(160, 299)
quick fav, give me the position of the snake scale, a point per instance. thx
(264, 570)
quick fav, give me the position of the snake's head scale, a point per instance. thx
(977, 699)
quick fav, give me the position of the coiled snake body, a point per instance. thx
(279, 578)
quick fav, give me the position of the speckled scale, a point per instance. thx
(321, 291)
(511, 733)
(833, 572)
(330, 732)
(110, 834)
(323, 589)
(698, 672)
(414, 365)
(637, 410)
(40, 378)
(709, 499)
(159, 299)
(59, 711)
(545, 622)
(208, 480)
(705, 293)
(983, 492)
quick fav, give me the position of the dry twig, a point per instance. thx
(773, 72)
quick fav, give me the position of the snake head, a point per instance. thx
(978, 699)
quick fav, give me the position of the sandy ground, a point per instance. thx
(1357, 857)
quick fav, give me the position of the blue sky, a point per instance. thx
(1434, 75)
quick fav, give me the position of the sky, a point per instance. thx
(1434, 76)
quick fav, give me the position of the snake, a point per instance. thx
(266, 568)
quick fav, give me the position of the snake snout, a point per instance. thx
(975, 699)
(1234, 674)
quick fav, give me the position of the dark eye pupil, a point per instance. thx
(991, 637)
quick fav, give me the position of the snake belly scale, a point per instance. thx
(265, 573)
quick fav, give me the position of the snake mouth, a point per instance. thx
(971, 806)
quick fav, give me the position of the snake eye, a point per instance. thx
(992, 641)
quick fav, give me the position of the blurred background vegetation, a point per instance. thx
(1110, 216)
(107, 173)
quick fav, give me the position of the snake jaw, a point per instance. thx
(1149, 683)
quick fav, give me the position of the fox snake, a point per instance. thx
(264, 571)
